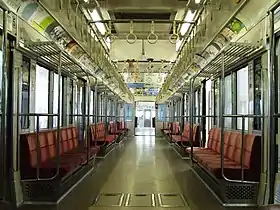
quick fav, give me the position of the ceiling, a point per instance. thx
(142, 57)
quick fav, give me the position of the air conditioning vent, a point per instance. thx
(143, 15)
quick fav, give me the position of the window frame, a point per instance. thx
(28, 60)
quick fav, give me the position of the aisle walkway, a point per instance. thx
(148, 174)
(143, 177)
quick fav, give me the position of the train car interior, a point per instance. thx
(139, 104)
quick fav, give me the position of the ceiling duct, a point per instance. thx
(143, 15)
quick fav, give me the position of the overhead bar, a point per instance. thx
(145, 61)
(141, 21)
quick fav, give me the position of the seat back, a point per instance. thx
(47, 144)
(175, 128)
(251, 151)
(233, 147)
(112, 127)
(186, 130)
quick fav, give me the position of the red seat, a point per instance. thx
(185, 137)
(210, 157)
(121, 126)
(44, 155)
(98, 133)
(173, 129)
(113, 129)
(166, 126)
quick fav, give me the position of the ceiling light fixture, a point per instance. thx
(96, 17)
(188, 18)
(197, 1)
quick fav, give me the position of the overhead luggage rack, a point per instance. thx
(50, 52)
(231, 54)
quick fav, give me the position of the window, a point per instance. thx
(128, 112)
(216, 101)
(71, 105)
(42, 95)
(91, 107)
(25, 95)
(76, 104)
(196, 119)
(109, 107)
(161, 112)
(186, 106)
(257, 93)
(82, 103)
(228, 101)
(55, 99)
(242, 96)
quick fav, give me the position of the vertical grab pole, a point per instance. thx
(3, 102)
(191, 116)
(58, 116)
(271, 95)
(38, 148)
(221, 111)
(116, 117)
(88, 120)
(106, 115)
(242, 148)
(182, 113)
(124, 120)
(95, 110)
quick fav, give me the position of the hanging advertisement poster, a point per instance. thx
(40, 20)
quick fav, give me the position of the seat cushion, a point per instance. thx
(108, 138)
(233, 172)
(197, 150)
(216, 161)
(176, 138)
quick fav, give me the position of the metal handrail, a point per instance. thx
(243, 116)
(38, 148)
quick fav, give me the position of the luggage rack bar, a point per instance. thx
(233, 53)
(49, 51)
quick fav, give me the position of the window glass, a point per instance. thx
(42, 95)
(128, 112)
(257, 93)
(228, 101)
(216, 101)
(55, 99)
(109, 107)
(242, 96)
(186, 106)
(25, 95)
(80, 107)
(161, 112)
(91, 107)
(76, 104)
(71, 105)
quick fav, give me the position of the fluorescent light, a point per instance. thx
(197, 1)
(100, 26)
(185, 26)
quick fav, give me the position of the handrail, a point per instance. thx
(242, 148)
(38, 148)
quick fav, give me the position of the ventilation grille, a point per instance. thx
(241, 192)
(143, 15)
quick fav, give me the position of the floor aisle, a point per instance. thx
(139, 178)
(148, 174)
